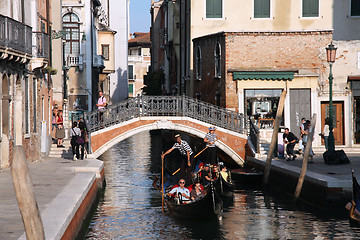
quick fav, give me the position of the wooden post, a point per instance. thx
(274, 137)
(305, 159)
(162, 181)
(25, 196)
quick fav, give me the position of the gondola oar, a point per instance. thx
(162, 181)
(196, 156)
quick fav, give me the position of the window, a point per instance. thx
(261, 8)
(217, 61)
(355, 8)
(198, 63)
(26, 106)
(310, 8)
(105, 51)
(131, 71)
(72, 37)
(213, 8)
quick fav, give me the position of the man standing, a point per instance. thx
(101, 105)
(302, 132)
(289, 139)
(187, 157)
(210, 139)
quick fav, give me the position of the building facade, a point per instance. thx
(279, 45)
(138, 62)
(26, 76)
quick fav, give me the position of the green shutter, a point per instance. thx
(257, 8)
(355, 8)
(310, 8)
(266, 9)
(209, 8)
(131, 88)
(131, 71)
(261, 8)
(218, 8)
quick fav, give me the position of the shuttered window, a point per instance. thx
(355, 7)
(131, 88)
(261, 8)
(131, 71)
(213, 8)
(310, 8)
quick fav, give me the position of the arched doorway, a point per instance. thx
(5, 122)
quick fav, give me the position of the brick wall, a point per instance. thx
(256, 50)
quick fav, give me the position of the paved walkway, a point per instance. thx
(319, 172)
(58, 183)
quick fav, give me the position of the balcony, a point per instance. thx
(75, 60)
(98, 61)
(134, 58)
(42, 45)
(15, 36)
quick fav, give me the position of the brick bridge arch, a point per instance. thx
(178, 113)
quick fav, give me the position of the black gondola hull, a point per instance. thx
(209, 206)
(224, 188)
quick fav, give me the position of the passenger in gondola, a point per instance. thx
(181, 191)
(224, 173)
(205, 175)
(187, 158)
(197, 192)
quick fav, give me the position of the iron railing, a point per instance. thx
(254, 135)
(42, 45)
(181, 106)
(15, 35)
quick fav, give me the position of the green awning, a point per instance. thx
(263, 75)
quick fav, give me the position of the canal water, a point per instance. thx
(131, 207)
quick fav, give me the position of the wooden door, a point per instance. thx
(338, 120)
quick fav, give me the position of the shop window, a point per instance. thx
(355, 8)
(261, 106)
(261, 8)
(310, 8)
(213, 8)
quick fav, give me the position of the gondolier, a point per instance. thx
(187, 158)
(210, 139)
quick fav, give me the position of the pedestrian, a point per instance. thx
(290, 139)
(210, 139)
(101, 105)
(53, 124)
(74, 135)
(60, 131)
(83, 136)
(302, 131)
(325, 133)
(306, 138)
(187, 158)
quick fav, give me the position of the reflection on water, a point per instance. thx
(131, 207)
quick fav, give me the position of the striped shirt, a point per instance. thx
(183, 147)
(211, 137)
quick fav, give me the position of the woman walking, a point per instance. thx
(82, 142)
(60, 131)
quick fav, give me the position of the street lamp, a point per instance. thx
(330, 54)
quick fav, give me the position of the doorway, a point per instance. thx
(338, 120)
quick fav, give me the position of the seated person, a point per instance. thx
(224, 173)
(180, 191)
(205, 178)
(197, 192)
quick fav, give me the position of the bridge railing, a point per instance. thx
(165, 106)
(254, 133)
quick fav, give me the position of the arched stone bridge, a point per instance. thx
(179, 113)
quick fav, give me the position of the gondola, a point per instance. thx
(210, 206)
(246, 176)
(225, 189)
(355, 203)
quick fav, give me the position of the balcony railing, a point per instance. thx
(98, 61)
(15, 35)
(42, 45)
(134, 58)
(75, 60)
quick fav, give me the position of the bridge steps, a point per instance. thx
(66, 152)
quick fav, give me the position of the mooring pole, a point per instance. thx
(305, 159)
(274, 138)
(25, 196)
